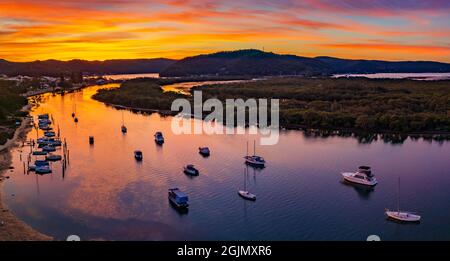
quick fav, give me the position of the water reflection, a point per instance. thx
(105, 194)
(363, 191)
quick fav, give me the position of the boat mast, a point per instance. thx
(247, 150)
(254, 147)
(245, 179)
(398, 196)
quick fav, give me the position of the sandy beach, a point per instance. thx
(11, 228)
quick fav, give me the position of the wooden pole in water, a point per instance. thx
(24, 168)
(68, 157)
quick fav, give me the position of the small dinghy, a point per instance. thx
(75, 120)
(401, 216)
(53, 157)
(138, 155)
(204, 151)
(191, 170)
(31, 168)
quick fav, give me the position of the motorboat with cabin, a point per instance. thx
(178, 198)
(138, 155)
(159, 138)
(204, 151)
(363, 176)
(191, 170)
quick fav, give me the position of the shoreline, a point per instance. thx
(298, 127)
(11, 227)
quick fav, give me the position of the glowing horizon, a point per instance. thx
(118, 29)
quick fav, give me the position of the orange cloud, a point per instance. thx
(105, 29)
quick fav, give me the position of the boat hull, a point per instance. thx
(246, 195)
(349, 177)
(191, 172)
(402, 216)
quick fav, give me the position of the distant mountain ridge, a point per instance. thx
(338, 65)
(249, 62)
(258, 63)
(244, 62)
(56, 68)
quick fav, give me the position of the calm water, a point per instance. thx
(106, 194)
(185, 87)
(131, 76)
(413, 76)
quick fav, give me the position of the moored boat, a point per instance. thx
(49, 134)
(362, 176)
(254, 160)
(48, 148)
(401, 216)
(178, 198)
(245, 194)
(39, 153)
(191, 170)
(43, 169)
(159, 138)
(53, 157)
(138, 155)
(204, 151)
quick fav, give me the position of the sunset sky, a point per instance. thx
(111, 29)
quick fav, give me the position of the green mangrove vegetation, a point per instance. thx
(11, 102)
(357, 104)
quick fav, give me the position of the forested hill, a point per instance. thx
(258, 63)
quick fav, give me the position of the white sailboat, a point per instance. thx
(245, 194)
(403, 216)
